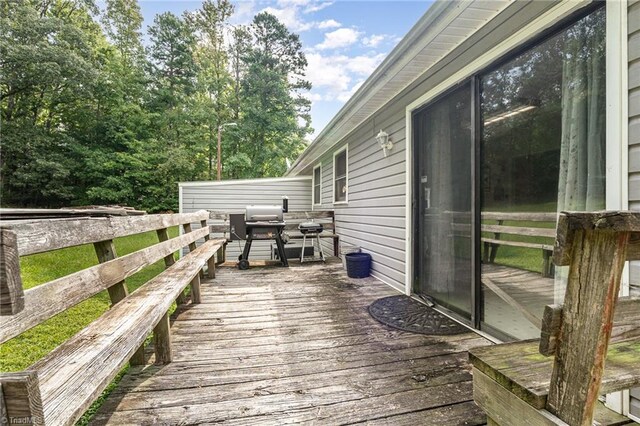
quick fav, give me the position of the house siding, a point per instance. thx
(375, 216)
(633, 25)
(234, 196)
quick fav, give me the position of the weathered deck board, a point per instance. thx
(297, 345)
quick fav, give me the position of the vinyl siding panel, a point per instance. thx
(374, 219)
(234, 196)
(633, 26)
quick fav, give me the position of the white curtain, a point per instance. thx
(581, 184)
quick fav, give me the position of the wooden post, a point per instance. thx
(187, 228)
(163, 235)
(106, 251)
(195, 289)
(203, 223)
(211, 263)
(162, 340)
(221, 254)
(11, 292)
(547, 265)
(211, 267)
(597, 260)
(20, 400)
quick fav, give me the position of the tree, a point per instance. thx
(171, 55)
(48, 76)
(123, 22)
(275, 115)
(213, 79)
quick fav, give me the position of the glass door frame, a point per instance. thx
(476, 306)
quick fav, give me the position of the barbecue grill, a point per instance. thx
(264, 223)
(311, 230)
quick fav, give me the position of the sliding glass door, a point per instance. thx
(443, 163)
(494, 161)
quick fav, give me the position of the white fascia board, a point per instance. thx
(241, 181)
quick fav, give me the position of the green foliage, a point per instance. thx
(89, 116)
(272, 103)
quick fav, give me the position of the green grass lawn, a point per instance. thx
(22, 351)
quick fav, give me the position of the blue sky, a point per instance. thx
(344, 41)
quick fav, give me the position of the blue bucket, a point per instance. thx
(358, 265)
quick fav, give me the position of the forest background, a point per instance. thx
(90, 114)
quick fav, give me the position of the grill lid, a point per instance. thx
(256, 213)
(308, 227)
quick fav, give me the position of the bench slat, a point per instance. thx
(520, 230)
(323, 235)
(626, 323)
(287, 227)
(520, 216)
(546, 247)
(320, 214)
(505, 408)
(46, 300)
(521, 369)
(75, 373)
(52, 234)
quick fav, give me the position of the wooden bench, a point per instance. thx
(292, 219)
(60, 387)
(558, 379)
(494, 223)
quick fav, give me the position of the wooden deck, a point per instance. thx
(297, 345)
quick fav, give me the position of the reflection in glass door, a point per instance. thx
(443, 148)
(543, 151)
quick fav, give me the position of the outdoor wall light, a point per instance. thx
(384, 141)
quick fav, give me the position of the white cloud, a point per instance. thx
(289, 13)
(330, 23)
(314, 7)
(365, 64)
(244, 12)
(289, 17)
(337, 77)
(342, 37)
(374, 40)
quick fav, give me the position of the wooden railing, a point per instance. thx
(61, 386)
(516, 385)
(292, 219)
(520, 226)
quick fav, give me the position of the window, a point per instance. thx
(317, 185)
(340, 177)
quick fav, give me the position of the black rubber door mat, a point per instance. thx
(404, 313)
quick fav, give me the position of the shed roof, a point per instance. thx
(441, 29)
